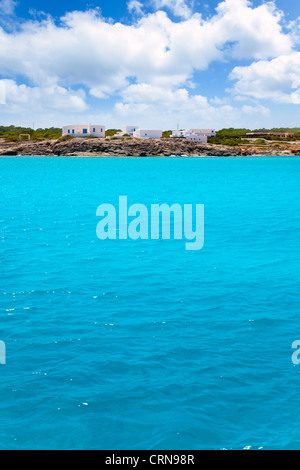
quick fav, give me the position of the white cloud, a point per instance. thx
(2, 92)
(177, 99)
(158, 55)
(255, 110)
(18, 98)
(7, 7)
(135, 7)
(294, 30)
(86, 50)
(277, 80)
(254, 32)
(177, 7)
(143, 100)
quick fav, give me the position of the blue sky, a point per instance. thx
(118, 10)
(154, 63)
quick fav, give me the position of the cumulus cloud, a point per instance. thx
(142, 100)
(2, 92)
(86, 50)
(7, 7)
(18, 98)
(179, 8)
(256, 110)
(277, 80)
(135, 7)
(148, 64)
(255, 32)
(141, 93)
(294, 30)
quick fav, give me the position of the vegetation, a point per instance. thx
(241, 133)
(232, 133)
(11, 133)
(229, 136)
(166, 134)
(231, 141)
(294, 130)
(89, 137)
(111, 132)
(66, 137)
(233, 137)
(260, 142)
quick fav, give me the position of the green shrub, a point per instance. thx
(66, 137)
(166, 134)
(111, 132)
(12, 133)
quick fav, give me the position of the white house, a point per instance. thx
(178, 134)
(129, 129)
(189, 135)
(147, 134)
(198, 135)
(84, 130)
(207, 132)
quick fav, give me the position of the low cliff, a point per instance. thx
(136, 148)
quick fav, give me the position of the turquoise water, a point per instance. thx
(123, 344)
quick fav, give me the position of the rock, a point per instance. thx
(139, 148)
(11, 152)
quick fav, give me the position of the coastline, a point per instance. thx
(93, 147)
(84, 155)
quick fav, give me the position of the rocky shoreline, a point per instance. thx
(93, 147)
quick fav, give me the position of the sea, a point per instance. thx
(142, 344)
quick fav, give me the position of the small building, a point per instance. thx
(281, 135)
(178, 134)
(147, 134)
(198, 135)
(252, 135)
(206, 132)
(129, 129)
(84, 130)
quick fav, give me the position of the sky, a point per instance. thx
(157, 64)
